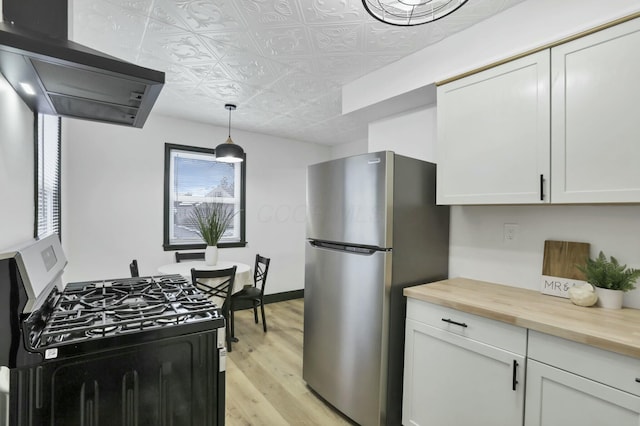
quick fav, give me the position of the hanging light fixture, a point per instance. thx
(411, 12)
(229, 152)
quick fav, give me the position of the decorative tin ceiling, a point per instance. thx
(283, 62)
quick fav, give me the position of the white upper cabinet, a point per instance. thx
(493, 135)
(596, 117)
(570, 114)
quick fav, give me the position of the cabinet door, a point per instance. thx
(450, 380)
(494, 135)
(595, 117)
(558, 398)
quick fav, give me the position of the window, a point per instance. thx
(191, 177)
(47, 176)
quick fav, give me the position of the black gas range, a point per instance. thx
(130, 351)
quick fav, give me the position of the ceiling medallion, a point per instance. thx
(411, 12)
(229, 152)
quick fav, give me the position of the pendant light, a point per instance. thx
(410, 12)
(229, 152)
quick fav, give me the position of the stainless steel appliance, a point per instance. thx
(372, 228)
(67, 78)
(128, 351)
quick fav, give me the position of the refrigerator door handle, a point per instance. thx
(367, 251)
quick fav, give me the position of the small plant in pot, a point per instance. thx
(211, 220)
(610, 279)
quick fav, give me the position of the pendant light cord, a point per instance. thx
(229, 122)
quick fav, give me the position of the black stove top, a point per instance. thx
(86, 312)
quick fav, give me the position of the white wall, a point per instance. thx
(349, 149)
(16, 186)
(16, 169)
(477, 249)
(411, 133)
(527, 25)
(113, 197)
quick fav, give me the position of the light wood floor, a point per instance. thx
(264, 373)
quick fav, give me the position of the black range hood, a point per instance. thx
(70, 79)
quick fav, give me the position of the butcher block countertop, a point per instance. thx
(612, 330)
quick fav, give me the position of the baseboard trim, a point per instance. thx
(281, 297)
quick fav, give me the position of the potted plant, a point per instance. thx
(610, 279)
(211, 220)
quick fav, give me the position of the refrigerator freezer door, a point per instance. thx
(349, 200)
(344, 329)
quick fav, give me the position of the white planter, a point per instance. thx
(609, 299)
(211, 255)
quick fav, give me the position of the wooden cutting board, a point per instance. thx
(559, 272)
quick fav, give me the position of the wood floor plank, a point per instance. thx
(245, 405)
(264, 373)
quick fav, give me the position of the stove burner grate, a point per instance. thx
(109, 308)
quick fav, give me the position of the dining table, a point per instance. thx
(244, 275)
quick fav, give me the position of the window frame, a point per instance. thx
(167, 245)
(57, 197)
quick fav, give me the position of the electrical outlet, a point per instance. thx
(510, 232)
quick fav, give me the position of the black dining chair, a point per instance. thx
(220, 288)
(198, 255)
(252, 297)
(133, 267)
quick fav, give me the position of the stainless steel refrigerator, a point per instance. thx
(372, 229)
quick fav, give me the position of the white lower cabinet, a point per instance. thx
(452, 379)
(569, 383)
(558, 398)
(462, 369)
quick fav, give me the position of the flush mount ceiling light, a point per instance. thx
(411, 12)
(229, 152)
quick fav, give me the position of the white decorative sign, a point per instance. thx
(557, 286)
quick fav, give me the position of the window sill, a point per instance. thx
(173, 247)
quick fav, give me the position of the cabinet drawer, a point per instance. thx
(609, 368)
(485, 330)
